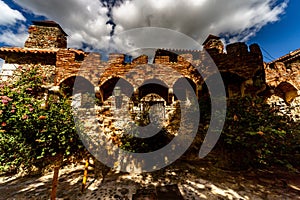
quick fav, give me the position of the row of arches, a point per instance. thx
(180, 90)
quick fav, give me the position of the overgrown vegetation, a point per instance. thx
(34, 132)
(255, 135)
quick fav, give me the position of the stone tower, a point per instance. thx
(46, 35)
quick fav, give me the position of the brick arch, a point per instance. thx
(286, 91)
(136, 74)
(107, 87)
(76, 84)
(188, 72)
(154, 86)
(73, 75)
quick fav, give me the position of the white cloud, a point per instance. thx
(14, 39)
(199, 18)
(9, 16)
(83, 20)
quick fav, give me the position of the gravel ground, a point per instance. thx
(191, 180)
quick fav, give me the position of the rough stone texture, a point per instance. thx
(283, 78)
(241, 68)
(17, 55)
(46, 34)
(288, 73)
(292, 109)
(214, 42)
(49, 43)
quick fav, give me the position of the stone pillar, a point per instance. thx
(135, 95)
(170, 96)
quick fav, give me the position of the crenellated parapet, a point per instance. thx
(241, 67)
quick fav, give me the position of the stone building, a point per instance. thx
(283, 78)
(130, 89)
(47, 46)
(241, 67)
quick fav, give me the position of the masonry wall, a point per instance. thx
(46, 62)
(43, 37)
(70, 63)
(29, 58)
(283, 79)
(280, 72)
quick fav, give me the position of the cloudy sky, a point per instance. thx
(92, 23)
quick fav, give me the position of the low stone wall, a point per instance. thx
(292, 110)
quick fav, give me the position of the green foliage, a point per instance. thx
(31, 129)
(258, 134)
(130, 142)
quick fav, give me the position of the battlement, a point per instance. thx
(143, 59)
(115, 58)
(237, 49)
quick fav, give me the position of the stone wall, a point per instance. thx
(283, 78)
(241, 67)
(27, 59)
(279, 72)
(23, 57)
(45, 35)
(292, 110)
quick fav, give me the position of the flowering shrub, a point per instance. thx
(30, 132)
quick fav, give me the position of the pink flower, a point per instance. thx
(31, 109)
(4, 101)
(25, 117)
(6, 98)
(13, 111)
(3, 124)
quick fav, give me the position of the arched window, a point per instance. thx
(80, 90)
(154, 86)
(107, 88)
(286, 91)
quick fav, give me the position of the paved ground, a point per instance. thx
(184, 180)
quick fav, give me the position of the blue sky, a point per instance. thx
(270, 23)
(283, 36)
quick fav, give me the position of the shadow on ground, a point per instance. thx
(189, 179)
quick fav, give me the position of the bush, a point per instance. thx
(254, 134)
(30, 132)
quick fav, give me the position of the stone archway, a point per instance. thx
(107, 88)
(153, 86)
(286, 91)
(79, 90)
